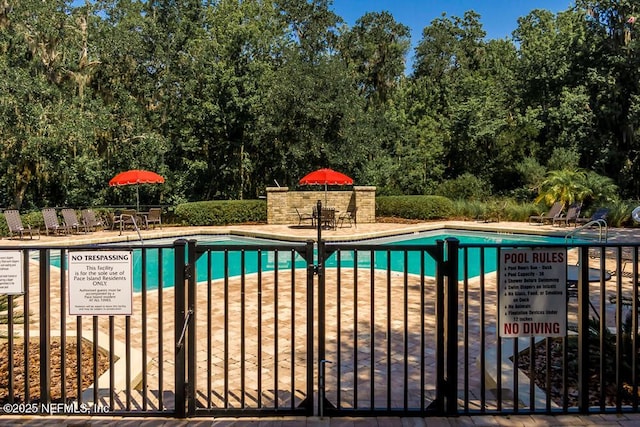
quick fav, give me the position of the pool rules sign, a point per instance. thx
(100, 283)
(532, 298)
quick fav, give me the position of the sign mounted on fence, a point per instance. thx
(11, 268)
(100, 283)
(532, 297)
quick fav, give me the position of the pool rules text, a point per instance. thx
(532, 299)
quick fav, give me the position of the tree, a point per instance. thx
(375, 49)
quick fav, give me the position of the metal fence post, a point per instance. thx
(180, 325)
(451, 333)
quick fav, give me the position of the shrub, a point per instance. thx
(503, 209)
(465, 187)
(221, 212)
(414, 207)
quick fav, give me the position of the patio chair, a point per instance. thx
(14, 224)
(349, 215)
(127, 218)
(154, 216)
(571, 216)
(554, 212)
(51, 223)
(71, 220)
(90, 221)
(305, 217)
(328, 218)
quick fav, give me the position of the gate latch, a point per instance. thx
(187, 318)
(316, 270)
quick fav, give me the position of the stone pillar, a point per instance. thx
(278, 205)
(365, 200)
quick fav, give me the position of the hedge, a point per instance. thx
(414, 207)
(221, 212)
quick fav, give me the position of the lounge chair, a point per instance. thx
(154, 216)
(14, 224)
(349, 215)
(51, 223)
(305, 217)
(599, 215)
(90, 221)
(572, 215)
(554, 212)
(71, 220)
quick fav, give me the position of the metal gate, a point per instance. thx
(258, 343)
(250, 326)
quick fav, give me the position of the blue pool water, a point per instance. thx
(286, 259)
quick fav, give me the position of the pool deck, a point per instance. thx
(295, 233)
(362, 231)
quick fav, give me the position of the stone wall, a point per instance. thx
(282, 203)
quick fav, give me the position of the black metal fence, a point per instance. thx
(326, 329)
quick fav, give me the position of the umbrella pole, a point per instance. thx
(325, 194)
(137, 198)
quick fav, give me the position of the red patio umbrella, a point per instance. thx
(136, 176)
(326, 176)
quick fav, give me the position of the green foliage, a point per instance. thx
(465, 187)
(224, 97)
(414, 207)
(494, 210)
(569, 186)
(619, 213)
(221, 212)
(562, 158)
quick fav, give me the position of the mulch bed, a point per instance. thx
(555, 365)
(69, 376)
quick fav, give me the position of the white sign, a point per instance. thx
(532, 298)
(100, 283)
(11, 270)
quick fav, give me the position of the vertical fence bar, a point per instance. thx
(483, 340)
(389, 332)
(276, 333)
(25, 318)
(11, 343)
(310, 326)
(372, 334)
(143, 309)
(321, 318)
(292, 363)
(160, 331)
(405, 324)
(45, 328)
(634, 329)
(179, 248)
(452, 326)
(259, 367)
(465, 317)
(243, 315)
(583, 332)
(208, 378)
(355, 330)
(440, 329)
(63, 322)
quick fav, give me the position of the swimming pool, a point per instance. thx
(160, 261)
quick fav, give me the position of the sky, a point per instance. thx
(498, 17)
